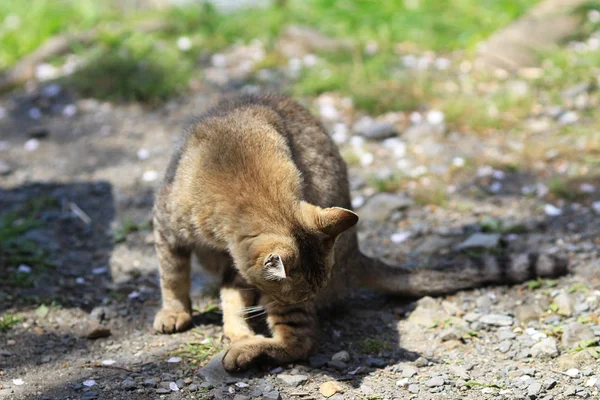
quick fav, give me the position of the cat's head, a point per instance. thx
(292, 266)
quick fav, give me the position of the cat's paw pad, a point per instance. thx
(170, 321)
(242, 354)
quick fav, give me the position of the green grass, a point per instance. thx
(373, 346)
(198, 352)
(8, 320)
(128, 225)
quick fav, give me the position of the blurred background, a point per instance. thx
(466, 124)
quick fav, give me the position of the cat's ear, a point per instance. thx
(335, 220)
(274, 268)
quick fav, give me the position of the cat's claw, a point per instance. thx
(170, 321)
(243, 353)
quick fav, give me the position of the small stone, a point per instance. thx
(292, 380)
(342, 356)
(526, 312)
(459, 371)
(272, 395)
(496, 320)
(505, 334)
(330, 388)
(505, 346)
(572, 372)
(89, 396)
(180, 383)
(402, 383)
(450, 308)
(564, 303)
(552, 211)
(162, 391)
(480, 240)
(366, 390)
(193, 387)
(317, 361)
(534, 390)
(549, 384)
(450, 334)
(435, 382)
(409, 372)
(413, 388)
(150, 382)
(472, 317)
(575, 332)
(128, 384)
(421, 362)
(340, 366)
(375, 362)
(569, 391)
(373, 129)
(380, 206)
(546, 348)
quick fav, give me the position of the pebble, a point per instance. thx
(339, 365)
(526, 312)
(575, 332)
(128, 384)
(546, 348)
(450, 334)
(413, 388)
(496, 320)
(342, 356)
(550, 383)
(31, 145)
(572, 372)
(193, 387)
(435, 382)
(89, 396)
(480, 240)
(564, 303)
(150, 382)
(373, 129)
(409, 371)
(89, 383)
(380, 206)
(534, 389)
(330, 388)
(292, 380)
(421, 362)
(162, 391)
(504, 346)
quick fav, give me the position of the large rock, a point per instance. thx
(574, 333)
(380, 206)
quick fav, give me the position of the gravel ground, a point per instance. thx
(85, 321)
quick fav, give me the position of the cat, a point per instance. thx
(259, 192)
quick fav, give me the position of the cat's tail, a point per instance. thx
(459, 273)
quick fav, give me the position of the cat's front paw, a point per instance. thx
(171, 321)
(243, 353)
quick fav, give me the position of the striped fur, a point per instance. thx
(257, 184)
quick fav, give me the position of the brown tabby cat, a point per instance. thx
(259, 192)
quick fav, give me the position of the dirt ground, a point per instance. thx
(528, 341)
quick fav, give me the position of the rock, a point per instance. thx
(472, 317)
(163, 391)
(575, 332)
(98, 333)
(450, 308)
(375, 362)
(5, 168)
(564, 304)
(342, 356)
(435, 382)
(459, 371)
(496, 320)
(150, 382)
(534, 389)
(569, 391)
(409, 371)
(292, 380)
(340, 366)
(504, 346)
(366, 390)
(480, 240)
(89, 395)
(413, 388)
(572, 372)
(241, 397)
(215, 374)
(545, 349)
(380, 206)
(129, 384)
(505, 334)
(526, 312)
(450, 334)
(193, 387)
(330, 388)
(272, 395)
(483, 303)
(421, 362)
(549, 384)
(317, 361)
(428, 313)
(374, 129)
(434, 244)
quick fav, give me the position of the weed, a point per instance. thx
(8, 320)
(198, 352)
(373, 346)
(128, 226)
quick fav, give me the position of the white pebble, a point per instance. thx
(206, 341)
(570, 117)
(495, 187)
(596, 207)
(358, 201)
(143, 154)
(396, 145)
(173, 386)
(133, 295)
(587, 188)
(573, 372)
(174, 360)
(80, 281)
(357, 142)
(31, 145)
(99, 270)
(34, 113)
(484, 171)
(328, 111)
(552, 211)
(340, 133)
(591, 382)
(242, 385)
(150, 176)
(400, 237)
(184, 43)
(442, 63)
(366, 159)
(416, 118)
(18, 382)
(458, 162)
(498, 174)
(26, 269)
(70, 110)
(402, 382)
(218, 60)
(89, 383)
(51, 90)
(435, 117)
(108, 362)
(44, 72)
(310, 60)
